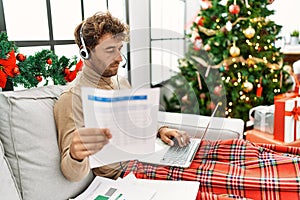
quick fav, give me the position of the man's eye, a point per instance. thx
(110, 50)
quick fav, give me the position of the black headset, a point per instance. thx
(83, 51)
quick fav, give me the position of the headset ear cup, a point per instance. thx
(84, 53)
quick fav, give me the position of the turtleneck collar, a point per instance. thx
(93, 79)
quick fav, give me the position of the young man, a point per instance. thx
(225, 169)
(100, 39)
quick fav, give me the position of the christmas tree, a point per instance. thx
(232, 58)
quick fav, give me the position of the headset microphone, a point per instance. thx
(84, 52)
(124, 65)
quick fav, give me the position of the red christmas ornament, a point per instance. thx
(217, 90)
(185, 99)
(20, 57)
(49, 61)
(211, 106)
(39, 78)
(202, 95)
(197, 43)
(206, 4)
(16, 70)
(234, 9)
(201, 21)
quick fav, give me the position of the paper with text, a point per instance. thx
(165, 189)
(131, 116)
(107, 189)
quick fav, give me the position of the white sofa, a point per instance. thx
(29, 155)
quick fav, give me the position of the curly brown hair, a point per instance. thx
(96, 26)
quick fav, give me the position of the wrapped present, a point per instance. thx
(287, 119)
(263, 118)
(285, 96)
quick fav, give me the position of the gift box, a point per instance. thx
(263, 118)
(287, 119)
(285, 96)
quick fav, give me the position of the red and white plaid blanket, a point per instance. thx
(235, 169)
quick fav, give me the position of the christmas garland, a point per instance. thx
(30, 70)
(231, 60)
(211, 32)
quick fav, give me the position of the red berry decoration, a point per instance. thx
(20, 57)
(234, 9)
(49, 61)
(66, 71)
(39, 78)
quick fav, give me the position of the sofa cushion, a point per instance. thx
(8, 189)
(29, 137)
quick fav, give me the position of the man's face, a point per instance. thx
(106, 56)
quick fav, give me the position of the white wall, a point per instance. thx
(139, 43)
(140, 38)
(287, 14)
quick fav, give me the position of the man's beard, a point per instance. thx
(111, 70)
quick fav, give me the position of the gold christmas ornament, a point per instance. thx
(249, 32)
(247, 86)
(234, 51)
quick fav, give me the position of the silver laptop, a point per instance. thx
(176, 155)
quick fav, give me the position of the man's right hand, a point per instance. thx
(88, 141)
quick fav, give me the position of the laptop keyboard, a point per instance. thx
(177, 154)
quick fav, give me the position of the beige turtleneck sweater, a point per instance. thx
(69, 117)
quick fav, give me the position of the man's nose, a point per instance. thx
(119, 57)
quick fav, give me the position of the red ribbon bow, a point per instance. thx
(8, 67)
(295, 113)
(72, 74)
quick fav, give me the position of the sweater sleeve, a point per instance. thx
(68, 117)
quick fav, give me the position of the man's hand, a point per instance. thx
(87, 141)
(166, 135)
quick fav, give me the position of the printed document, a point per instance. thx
(131, 116)
(132, 188)
(107, 189)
